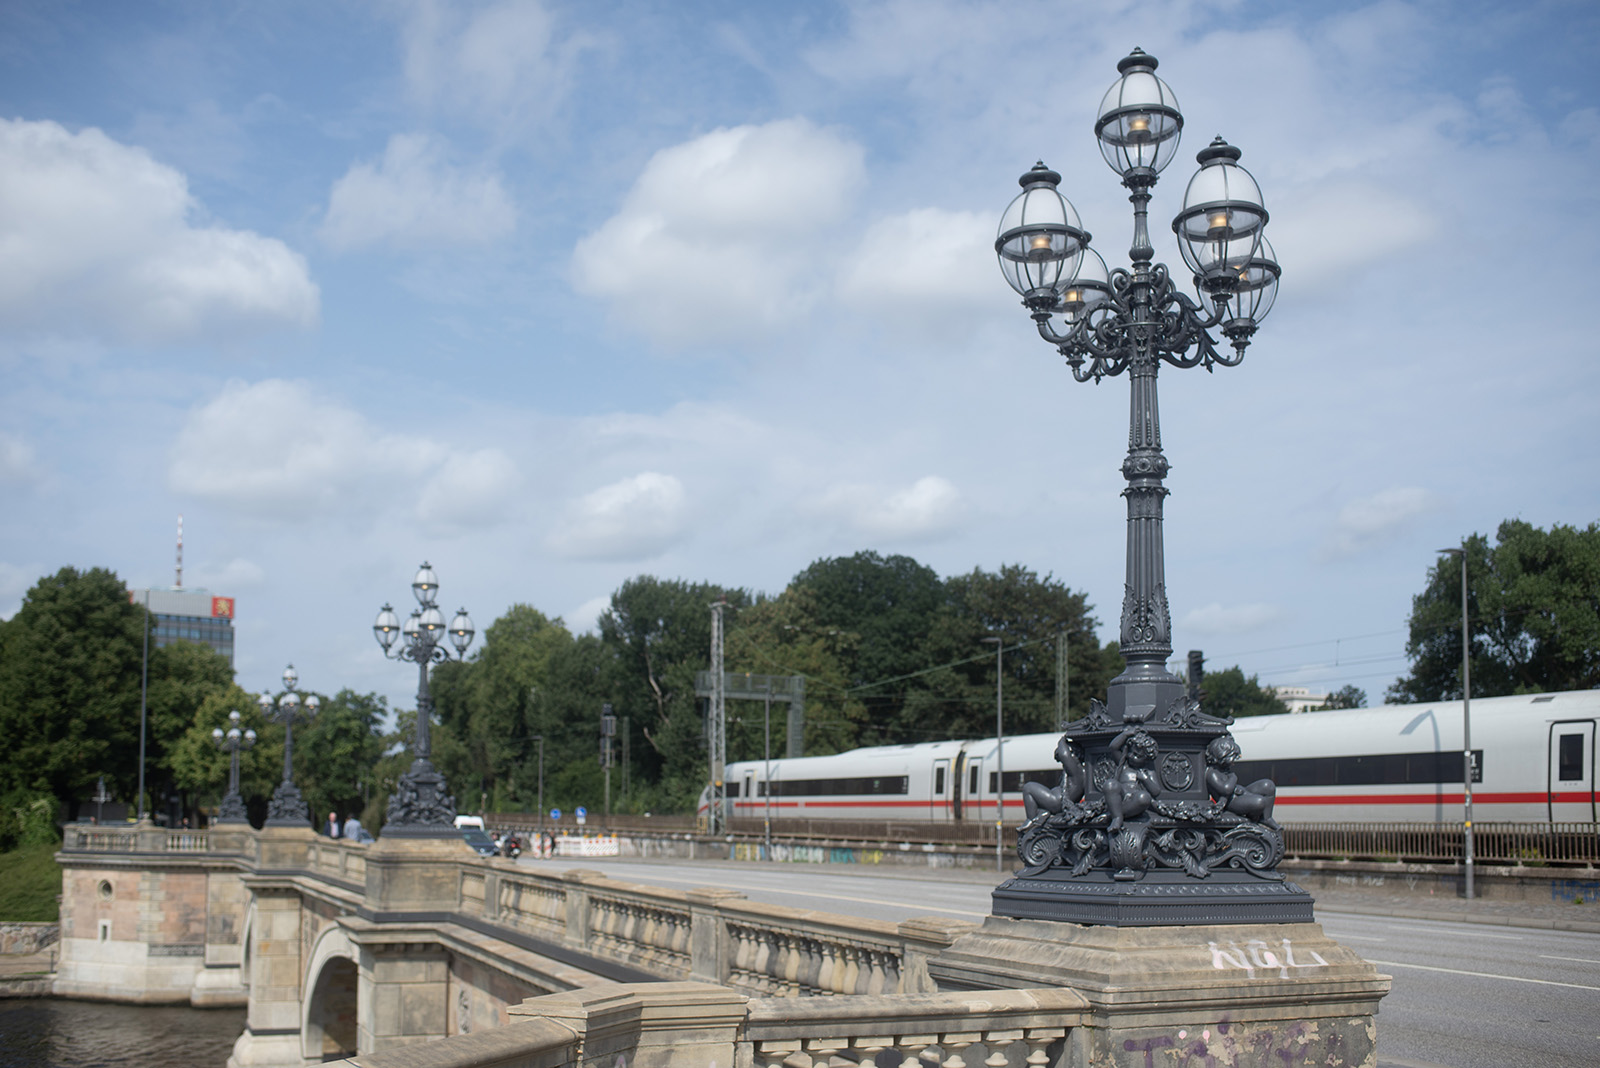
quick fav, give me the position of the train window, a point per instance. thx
(1015, 779)
(1569, 758)
(938, 781)
(1378, 769)
(882, 784)
(733, 789)
(972, 787)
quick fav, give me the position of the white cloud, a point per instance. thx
(414, 197)
(501, 64)
(585, 619)
(276, 449)
(929, 507)
(98, 238)
(928, 258)
(17, 464)
(470, 489)
(723, 234)
(1338, 234)
(634, 519)
(1372, 521)
(1215, 618)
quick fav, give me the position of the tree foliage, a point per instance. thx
(1230, 693)
(69, 686)
(1533, 612)
(889, 651)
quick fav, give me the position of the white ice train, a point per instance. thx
(1534, 759)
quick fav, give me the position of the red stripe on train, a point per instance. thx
(1538, 798)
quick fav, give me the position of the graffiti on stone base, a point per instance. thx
(1256, 955)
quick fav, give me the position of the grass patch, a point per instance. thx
(30, 882)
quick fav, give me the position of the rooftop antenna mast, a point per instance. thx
(180, 550)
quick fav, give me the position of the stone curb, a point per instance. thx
(1488, 919)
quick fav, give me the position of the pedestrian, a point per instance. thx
(332, 829)
(352, 828)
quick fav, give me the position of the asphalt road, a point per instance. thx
(1465, 995)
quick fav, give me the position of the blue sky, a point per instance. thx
(556, 294)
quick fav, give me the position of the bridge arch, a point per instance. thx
(328, 1010)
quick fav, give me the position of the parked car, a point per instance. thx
(479, 841)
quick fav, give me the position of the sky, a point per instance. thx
(556, 294)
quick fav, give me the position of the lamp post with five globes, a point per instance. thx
(233, 810)
(420, 806)
(1150, 824)
(287, 807)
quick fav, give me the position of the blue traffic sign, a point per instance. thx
(582, 812)
(555, 813)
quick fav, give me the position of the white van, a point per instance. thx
(469, 821)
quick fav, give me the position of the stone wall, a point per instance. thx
(19, 937)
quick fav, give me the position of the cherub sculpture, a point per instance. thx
(1253, 802)
(1037, 798)
(1131, 789)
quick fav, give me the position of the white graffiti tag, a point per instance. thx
(1255, 954)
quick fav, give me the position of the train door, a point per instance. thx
(1570, 795)
(956, 795)
(748, 793)
(939, 796)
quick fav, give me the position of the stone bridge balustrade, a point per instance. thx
(675, 1025)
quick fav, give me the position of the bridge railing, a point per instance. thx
(657, 1024)
(1526, 844)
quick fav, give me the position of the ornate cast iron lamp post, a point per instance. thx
(287, 808)
(420, 807)
(233, 810)
(1149, 824)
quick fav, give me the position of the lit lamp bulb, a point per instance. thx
(1139, 128)
(1039, 247)
(1217, 225)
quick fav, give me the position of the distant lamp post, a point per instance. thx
(287, 807)
(420, 806)
(1466, 726)
(232, 742)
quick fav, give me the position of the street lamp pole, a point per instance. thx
(766, 774)
(1466, 727)
(1151, 767)
(540, 739)
(232, 809)
(420, 806)
(999, 752)
(287, 807)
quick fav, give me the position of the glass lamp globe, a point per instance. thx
(216, 733)
(386, 627)
(461, 631)
(1139, 124)
(289, 703)
(1087, 290)
(1219, 228)
(425, 585)
(431, 621)
(1041, 237)
(290, 677)
(313, 702)
(264, 702)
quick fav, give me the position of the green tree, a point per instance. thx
(783, 635)
(200, 768)
(890, 605)
(1344, 697)
(1533, 609)
(1230, 693)
(184, 675)
(660, 633)
(69, 687)
(336, 751)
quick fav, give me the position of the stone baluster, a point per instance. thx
(999, 1042)
(953, 1045)
(773, 1053)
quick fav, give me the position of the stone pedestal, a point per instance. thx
(409, 875)
(1245, 995)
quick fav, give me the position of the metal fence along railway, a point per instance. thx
(1511, 844)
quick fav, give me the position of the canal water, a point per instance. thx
(55, 1033)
